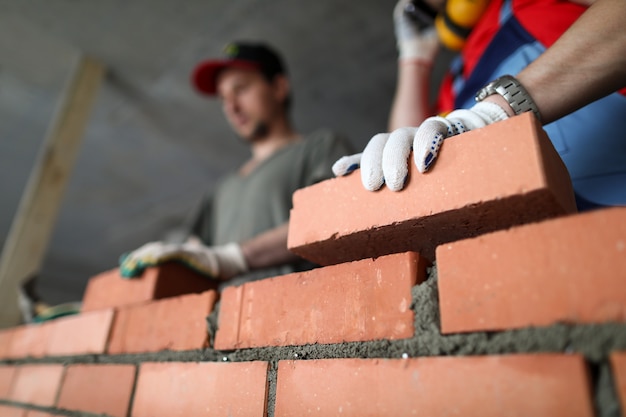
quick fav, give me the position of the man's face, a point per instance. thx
(250, 103)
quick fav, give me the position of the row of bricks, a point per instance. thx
(488, 179)
(177, 323)
(526, 181)
(516, 385)
(530, 275)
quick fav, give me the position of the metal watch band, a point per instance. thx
(513, 92)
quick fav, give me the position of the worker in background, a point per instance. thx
(561, 60)
(240, 231)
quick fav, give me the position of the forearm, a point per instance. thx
(268, 249)
(587, 63)
(411, 105)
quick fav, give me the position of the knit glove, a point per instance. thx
(216, 262)
(416, 39)
(385, 158)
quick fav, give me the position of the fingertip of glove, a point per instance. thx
(130, 273)
(345, 170)
(370, 185)
(397, 183)
(344, 166)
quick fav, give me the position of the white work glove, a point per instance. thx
(385, 158)
(413, 42)
(217, 262)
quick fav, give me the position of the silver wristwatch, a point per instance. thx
(513, 92)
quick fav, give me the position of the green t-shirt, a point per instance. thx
(241, 207)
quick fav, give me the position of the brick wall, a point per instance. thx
(456, 296)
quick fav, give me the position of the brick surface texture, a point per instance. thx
(85, 333)
(492, 386)
(201, 389)
(569, 269)
(37, 384)
(364, 300)
(109, 289)
(7, 375)
(6, 336)
(8, 411)
(484, 180)
(80, 334)
(177, 323)
(99, 389)
(30, 340)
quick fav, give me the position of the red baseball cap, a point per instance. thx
(246, 55)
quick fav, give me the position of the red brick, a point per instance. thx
(84, 333)
(30, 340)
(177, 323)
(570, 269)
(7, 411)
(484, 180)
(539, 385)
(99, 389)
(201, 389)
(171, 279)
(358, 301)
(37, 384)
(618, 364)
(7, 375)
(6, 335)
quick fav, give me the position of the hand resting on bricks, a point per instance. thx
(570, 83)
(238, 232)
(218, 262)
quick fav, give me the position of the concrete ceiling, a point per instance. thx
(153, 146)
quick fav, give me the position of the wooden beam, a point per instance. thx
(33, 224)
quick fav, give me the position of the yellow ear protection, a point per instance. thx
(456, 22)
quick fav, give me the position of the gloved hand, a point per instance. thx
(217, 262)
(385, 158)
(414, 42)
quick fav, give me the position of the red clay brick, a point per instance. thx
(177, 323)
(171, 279)
(484, 180)
(30, 340)
(178, 389)
(358, 301)
(618, 364)
(7, 375)
(37, 384)
(99, 389)
(569, 269)
(539, 385)
(84, 333)
(8, 411)
(6, 336)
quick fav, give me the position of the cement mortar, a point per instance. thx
(594, 342)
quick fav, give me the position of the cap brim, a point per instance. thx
(204, 76)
